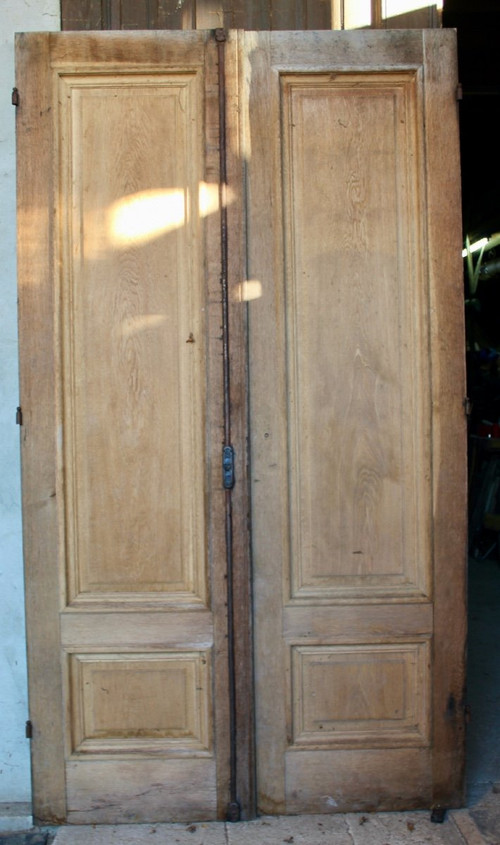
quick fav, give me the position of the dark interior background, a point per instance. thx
(478, 29)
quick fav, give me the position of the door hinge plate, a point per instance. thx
(19, 416)
(29, 730)
(228, 467)
(15, 97)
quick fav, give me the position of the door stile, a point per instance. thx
(215, 386)
(244, 752)
(267, 401)
(40, 451)
(233, 420)
(447, 342)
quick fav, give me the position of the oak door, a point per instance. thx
(344, 148)
(356, 420)
(121, 391)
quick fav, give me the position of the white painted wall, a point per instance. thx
(16, 16)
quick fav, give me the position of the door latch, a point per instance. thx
(228, 467)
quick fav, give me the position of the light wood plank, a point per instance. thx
(40, 452)
(315, 780)
(84, 546)
(238, 359)
(356, 622)
(218, 550)
(449, 422)
(268, 446)
(137, 629)
(109, 791)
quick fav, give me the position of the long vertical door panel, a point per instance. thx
(118, 211)
(356, 419)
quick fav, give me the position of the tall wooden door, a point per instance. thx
(344, 149)
(357, 424)
(121, 393)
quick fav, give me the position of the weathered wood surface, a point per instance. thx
(122, 396)
(358, 503)
(41, 476)
(349, 216)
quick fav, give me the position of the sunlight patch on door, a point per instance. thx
(141, 217)
(248, 290)
(134, 325)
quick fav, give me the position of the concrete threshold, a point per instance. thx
(15, 816)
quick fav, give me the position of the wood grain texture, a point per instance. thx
(360, 695)
(238, 359)
(215, 420)
(133, 386)
(317, 782)
(447, 349)
(141, 629)
(344, 274)
(124, 703)
(342, 398)
(40, 452)
(268, 446)
(126, 354)
(168, 791)
(349, 249)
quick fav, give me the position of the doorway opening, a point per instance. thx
(479, 74)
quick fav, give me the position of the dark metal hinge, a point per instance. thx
(233, 812)
(460, 92)
(467, 406)
(220, 34)
(15, 97)
(228, 467)
(29, 730)
(438, 814)
(19, 416)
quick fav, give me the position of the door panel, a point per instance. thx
(344, 421)
(352, 232)
(130, 380)
(137, 688)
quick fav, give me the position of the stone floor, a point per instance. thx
(350, 829)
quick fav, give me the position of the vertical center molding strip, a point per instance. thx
(234, 809)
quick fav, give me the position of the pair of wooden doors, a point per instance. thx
(337, 682)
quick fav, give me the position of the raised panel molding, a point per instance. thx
(149, 703)
(133, 387)
(358, 418)
(369, 695)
